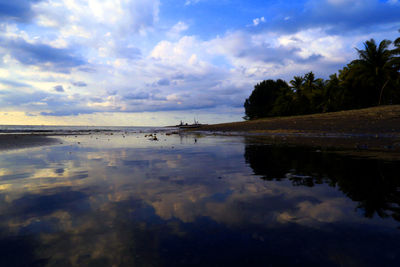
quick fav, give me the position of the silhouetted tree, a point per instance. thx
(262, 99)
(334, 95)
(297, 83)
(374, 68)
(373, 79)
(395, 54)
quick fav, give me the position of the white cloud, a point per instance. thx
(339, 2)
(187, 52)
(195, 79)
(258, 21)
(118, 16)
(191, 2)
(177, 29)
(131, 67)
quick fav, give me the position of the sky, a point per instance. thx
(156, 62)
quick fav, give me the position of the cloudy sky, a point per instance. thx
(155, 62)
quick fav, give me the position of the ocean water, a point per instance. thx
(120, 199)
(4, 129)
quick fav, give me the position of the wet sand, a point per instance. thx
(19, 141)
(376, 128)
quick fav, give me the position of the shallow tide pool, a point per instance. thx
(123, 200)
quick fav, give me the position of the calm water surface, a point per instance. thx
(122, 200)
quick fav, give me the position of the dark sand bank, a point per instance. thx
(18, 141)
(376, 128)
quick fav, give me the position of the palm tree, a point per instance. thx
(375, 65)
(309, 80)
(396, 43)
(396, 52)
(301, 100)
(297, 83)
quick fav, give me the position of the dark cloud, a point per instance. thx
(53, 104)
(74, 110)
(13, 83)
(267, 54)
(128, 52)
(312, 58)
(50, 58)
(340, 18)
(163, 82)
(137, 96)
(87, 69)
(18, 10)
(227, 91)
(17, 98)
(178, 76)
(59, 88)
(208, 99)
(264, 52)
(158, 98)
(39, 101)
(96, 100)
(79, 84)
(172, 107)
(112, 92)
(62, 113)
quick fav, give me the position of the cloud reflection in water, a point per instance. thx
(129, 201)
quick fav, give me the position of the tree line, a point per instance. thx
(372, 79)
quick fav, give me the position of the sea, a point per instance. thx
(76, 129)
(144, 196)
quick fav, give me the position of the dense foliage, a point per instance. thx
(372, 79)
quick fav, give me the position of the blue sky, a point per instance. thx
(155, 62)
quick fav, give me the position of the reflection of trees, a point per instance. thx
(373, 183)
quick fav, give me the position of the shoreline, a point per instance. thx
(370, 129)
(379, 143)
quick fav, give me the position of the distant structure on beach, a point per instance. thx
(195, 124)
